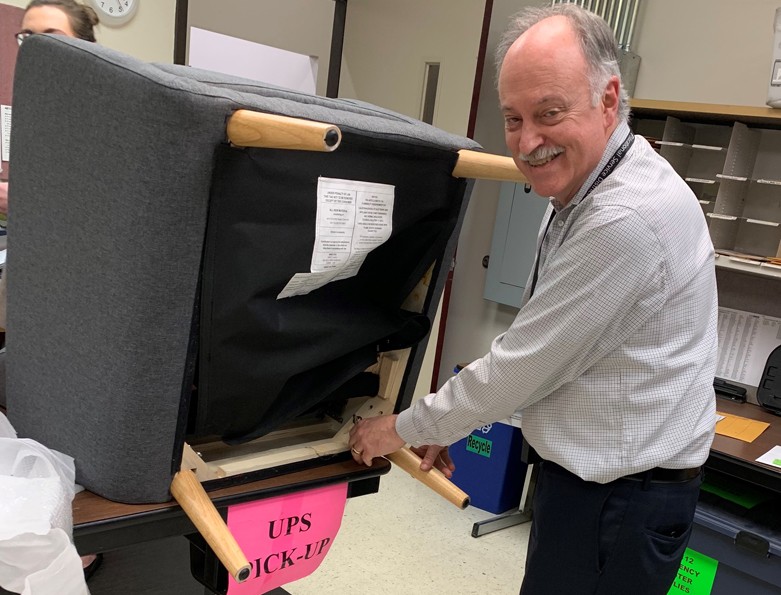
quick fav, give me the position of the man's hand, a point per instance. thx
(435, 456)
(377, 437)
(374, 437)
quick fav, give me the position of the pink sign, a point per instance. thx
(285, 538)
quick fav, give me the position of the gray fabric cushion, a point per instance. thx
(348, 114)
(109, 201)
(110, 188)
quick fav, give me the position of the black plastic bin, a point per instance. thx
(746, 542)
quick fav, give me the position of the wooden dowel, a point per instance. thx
(410, 462)
(486, 166)
(191, 496)
(269, 131)
(257, 129)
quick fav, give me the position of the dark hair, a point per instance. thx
(596, 39)
(82, 18)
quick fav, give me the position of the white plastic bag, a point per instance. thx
(36, 519)
(6, 429)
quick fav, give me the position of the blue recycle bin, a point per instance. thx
(489, 467)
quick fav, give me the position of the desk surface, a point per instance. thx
(100, 525)
(737, 457)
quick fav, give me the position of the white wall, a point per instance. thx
(149, 36)
(302, 26)
(710, 51)
(387, 45)
(473, 322)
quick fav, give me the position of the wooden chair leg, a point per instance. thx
(191, 496)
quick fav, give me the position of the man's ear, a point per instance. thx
(610, 99)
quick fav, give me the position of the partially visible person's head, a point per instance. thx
(60, 17)
(596, 39)
(560, 94)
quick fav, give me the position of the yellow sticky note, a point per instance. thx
(741, 428)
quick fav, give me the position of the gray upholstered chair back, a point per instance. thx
(110, 182)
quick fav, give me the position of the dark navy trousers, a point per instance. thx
(624, 537)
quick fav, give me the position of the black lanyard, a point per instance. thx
(606, 171)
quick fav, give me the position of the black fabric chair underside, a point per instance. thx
(264, 361)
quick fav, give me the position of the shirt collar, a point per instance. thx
(614, 142)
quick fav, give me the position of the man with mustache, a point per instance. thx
(611, 358)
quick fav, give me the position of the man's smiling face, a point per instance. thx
(555, 133)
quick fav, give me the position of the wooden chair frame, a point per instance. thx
(209, 461)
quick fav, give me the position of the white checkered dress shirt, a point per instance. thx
(613, 357)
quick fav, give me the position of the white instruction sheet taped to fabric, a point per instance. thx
(5, 133)
(353, 218)
(745, 341)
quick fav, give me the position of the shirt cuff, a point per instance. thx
(405, 427)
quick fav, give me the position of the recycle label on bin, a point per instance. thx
(481, 446)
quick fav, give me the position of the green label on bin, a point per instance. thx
(695, 575)
(480, 446)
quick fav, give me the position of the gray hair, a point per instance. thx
(597, 41)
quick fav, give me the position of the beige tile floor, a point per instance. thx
(406, 539)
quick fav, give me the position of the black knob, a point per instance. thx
(331, 138)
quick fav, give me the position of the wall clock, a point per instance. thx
(115, 13)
